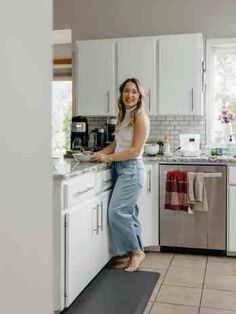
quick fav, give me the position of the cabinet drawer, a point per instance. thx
(103, 180)
(232, 175)
(79, 189)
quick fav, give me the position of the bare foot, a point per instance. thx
(120, 261)
(122, 264)
(136, 259)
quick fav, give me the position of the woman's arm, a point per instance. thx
(109, 149)
(141, 130)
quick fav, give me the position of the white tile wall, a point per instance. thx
(172, 125)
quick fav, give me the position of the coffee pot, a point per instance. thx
(99, 138)
(111, 128)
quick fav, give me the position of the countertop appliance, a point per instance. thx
(79, 132)
(111, 127)
(189, 145)
(200, 230)
(98, 139)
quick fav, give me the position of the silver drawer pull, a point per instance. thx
(97, 217)
(192, 100)
(108, 101)
(149, 101)
(150, 181)
(101, 226)
(89, 188)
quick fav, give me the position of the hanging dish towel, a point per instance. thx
(176, 190)
(197, 197)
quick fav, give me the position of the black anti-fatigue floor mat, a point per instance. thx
(115, 291)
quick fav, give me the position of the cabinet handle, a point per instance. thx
(65, 196)
(192, 100)
(97, 217)
(101, 215)
(203, 75)
(89, 188)
(149, 100)
(108, 101)
(149, 181)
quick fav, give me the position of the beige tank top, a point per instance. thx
(124, 134)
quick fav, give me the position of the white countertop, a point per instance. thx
(69, 167)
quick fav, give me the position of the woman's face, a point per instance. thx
(130, 95)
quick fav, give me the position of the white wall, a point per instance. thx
(25, 169)
(94, 19)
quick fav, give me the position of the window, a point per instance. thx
(221, 89)
(61, 116)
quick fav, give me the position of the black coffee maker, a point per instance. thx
(79, 133)
(98, 139)
(111, 128)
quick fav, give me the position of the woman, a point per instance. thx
(129, 173)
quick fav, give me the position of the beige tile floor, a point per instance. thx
(191, 284)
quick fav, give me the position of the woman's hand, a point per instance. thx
(100, 157)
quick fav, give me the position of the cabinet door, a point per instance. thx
(180, 74)
(232, 220)
(81, 238)
(104, 254)
(95, 78)
(148, 212)
(136, 57)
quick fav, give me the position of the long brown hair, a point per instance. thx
(121, 105)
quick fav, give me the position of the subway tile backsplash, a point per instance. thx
(161, 125)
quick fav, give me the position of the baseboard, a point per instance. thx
(183, 250)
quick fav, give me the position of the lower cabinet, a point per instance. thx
(232, 220)
(87, 244)
(104, 253)
(81, 229)
(81, 237)
(148, 207)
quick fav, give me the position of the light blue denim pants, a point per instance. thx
(124, 226)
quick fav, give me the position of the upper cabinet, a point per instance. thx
(136, 57)
(169, 68)
(95, 79)
(180, 75)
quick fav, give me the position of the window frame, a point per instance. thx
(224, 44)
(61, 79)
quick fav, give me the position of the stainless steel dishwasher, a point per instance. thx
(201, 230)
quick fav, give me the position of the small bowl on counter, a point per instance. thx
(84, 157)
(151, 148)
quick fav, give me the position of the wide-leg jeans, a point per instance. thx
(124, 226)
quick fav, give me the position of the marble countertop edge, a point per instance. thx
(69, 168)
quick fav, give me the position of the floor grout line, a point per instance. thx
(203, 282)
(183, 286)
(154, 301)
(195, 306)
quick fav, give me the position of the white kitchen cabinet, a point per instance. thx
(169, 67)
(136, 57)
(103, 192)
(231, 221)
(86, 234)
(180, 75)
(104, 253)
(80, 233)
(148, 208)
(82, 238)
(95, 81)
